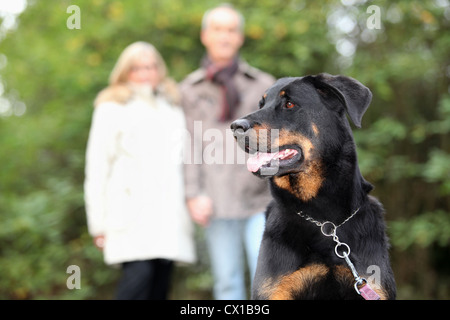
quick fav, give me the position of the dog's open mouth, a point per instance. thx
(272, 161)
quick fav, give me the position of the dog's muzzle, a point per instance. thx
(265, 158)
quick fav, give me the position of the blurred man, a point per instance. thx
(222, 195)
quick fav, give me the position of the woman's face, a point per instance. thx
(144, 71)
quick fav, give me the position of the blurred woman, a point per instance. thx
(134, 192)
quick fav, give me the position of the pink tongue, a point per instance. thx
(259, 159)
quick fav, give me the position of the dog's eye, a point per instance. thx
(261, 103)
(289, 105)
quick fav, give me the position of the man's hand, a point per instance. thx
(200, 209)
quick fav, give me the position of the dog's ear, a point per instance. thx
(353, 94)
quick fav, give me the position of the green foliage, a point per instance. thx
(53, 74)
(423, 230)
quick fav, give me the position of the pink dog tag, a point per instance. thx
(367, 293)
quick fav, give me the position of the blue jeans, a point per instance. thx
(228, 241)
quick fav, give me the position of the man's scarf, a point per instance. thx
(224, 78)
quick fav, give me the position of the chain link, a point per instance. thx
(353, 214)
(320, 224)
(332, 233)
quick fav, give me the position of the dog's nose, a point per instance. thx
(240, 125)
(239, 128)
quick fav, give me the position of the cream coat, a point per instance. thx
(134, 190)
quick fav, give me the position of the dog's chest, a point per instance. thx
(313, 281)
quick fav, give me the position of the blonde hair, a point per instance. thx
(118, 90)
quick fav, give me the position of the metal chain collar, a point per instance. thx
(332, 233)
(319, 224)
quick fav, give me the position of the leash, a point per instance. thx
(365, 290)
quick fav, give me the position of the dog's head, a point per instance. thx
(301, 127)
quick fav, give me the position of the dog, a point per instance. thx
(325, 236)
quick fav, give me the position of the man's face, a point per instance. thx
(222, 36)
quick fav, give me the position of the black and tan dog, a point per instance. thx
(312, 165)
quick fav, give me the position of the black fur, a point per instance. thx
(323, 180)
